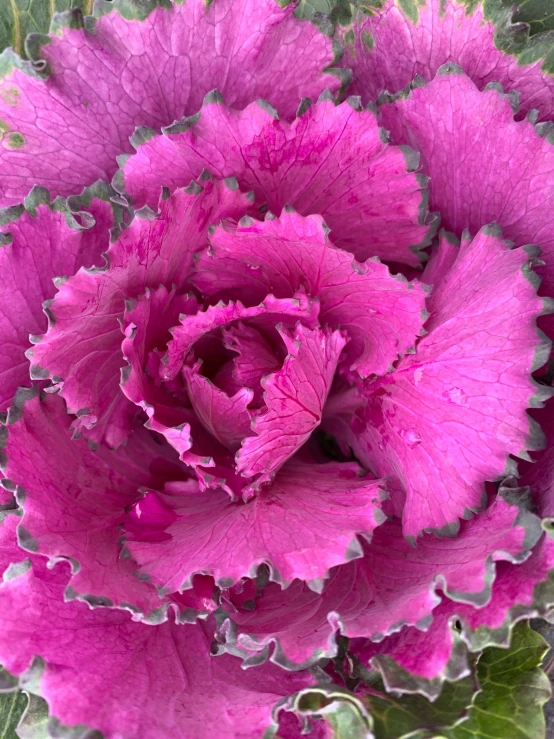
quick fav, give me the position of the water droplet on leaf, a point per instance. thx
(410, 437)
(456, 395)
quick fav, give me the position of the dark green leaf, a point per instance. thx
(538, 13)
(339, 11)
(501, 699)
(34, 722)
(513, 690)
(12, 706)
(396, 717)
(20, 17)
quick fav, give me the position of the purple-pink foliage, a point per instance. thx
(264, 410)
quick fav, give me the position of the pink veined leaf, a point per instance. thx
(193, 328)
(294, 398)
(423, 659)
(394, 585)
(67, 241)
(147, 322)
(302, 524)
(82, 344)
(441, 260)
(414, 659)
(65, 125)
(144, 680)
(499, 170)
(146, 325)
(447, 418)
(254, 360)
(227, 418)
(74, 501)
(382, 314)
(332, 160)
(391, 47)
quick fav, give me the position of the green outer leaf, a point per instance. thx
(20, 17)
(538, 13)
(415, 716)
(12, 706)
(501, 699)
(34, 722)
(339, 11)
(344, 712)
(513, 690)
(132, 9)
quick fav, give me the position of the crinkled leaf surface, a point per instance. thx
(401, 39)
(392, 585)
(223, 315)
(502, 698)
(74, 501)
(145, 681)
(302, 524)
(382, 314)
(414, 716)
(446, 419)
(499, 170)
(66, 119)
(295, 397)
(83, 343)
(518, 592)
(331, 160)
(28, 270)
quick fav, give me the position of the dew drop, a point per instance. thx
(457, 396)
(410, 437)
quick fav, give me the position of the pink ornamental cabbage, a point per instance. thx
(251, 420)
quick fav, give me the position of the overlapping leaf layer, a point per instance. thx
(262, 422)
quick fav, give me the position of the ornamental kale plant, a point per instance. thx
(275, 349)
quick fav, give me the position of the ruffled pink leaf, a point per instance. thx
(446, 420)
(332, 160)
(74, 503)
(382, 314)
(146, 326)
(10, 551)
(255, 359)
(305, 522)
(294, 397)
(518, 592)
(101, 82)
(393, 585)
(82, 345)
(147, 322)
(226, 418)
(390, 48)
(144, 681)
(295, 307)
(499, 170)
(43, 246)
(539, 476)
(437, 653)
(442, 259)
(427, 656)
